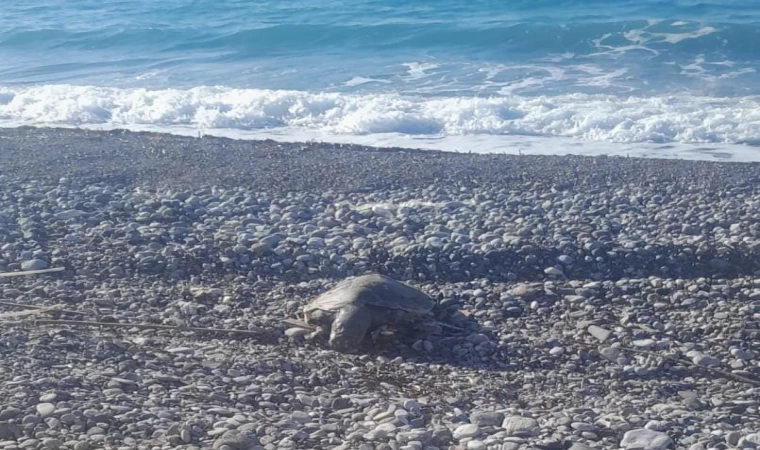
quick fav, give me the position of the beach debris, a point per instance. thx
(24, 313)
(31, 272)
(42, 308)
(146, 326)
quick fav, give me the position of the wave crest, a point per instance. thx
(681, 119)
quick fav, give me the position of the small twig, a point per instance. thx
(52, 308)
(142, 326)
(31, 272)
(450, 327)
(298, 324)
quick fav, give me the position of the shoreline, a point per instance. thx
(172, 160)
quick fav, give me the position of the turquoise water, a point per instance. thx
(414, 72)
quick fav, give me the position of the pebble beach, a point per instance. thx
(594, 303)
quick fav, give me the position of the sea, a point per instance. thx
(634, 78)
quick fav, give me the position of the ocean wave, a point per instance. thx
(592, 117)
(517, 36)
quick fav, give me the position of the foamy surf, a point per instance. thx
(707, 122)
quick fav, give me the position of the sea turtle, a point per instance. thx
(363, 303)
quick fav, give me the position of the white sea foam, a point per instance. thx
(644, 36)
(700, 69)
(358, 81)
(416, 70)
(645, 39)
(521, 79)
(499, 123)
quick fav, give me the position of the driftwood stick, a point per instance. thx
(26, 312)
(46, 308)
(30, 272)
(142, 326)
(713, 370)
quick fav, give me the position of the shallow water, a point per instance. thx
(668, 77)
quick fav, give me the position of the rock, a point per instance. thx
(441, 437)
(102, 198)
(520, 426)
(486, 418)
(525, 291)
(566, 259)
(550, 445)
(510, 446)
(732, 438)
(644, 343)
(434, 242)
(582, 426)
(31, 419)
(741, 354)
(307, 400)
(750, 440)
(340, 403)
(705, 360)
(382, 431)
(96, 431)
(598, 332)
(465, 431)
(411, 405)
(300, 417)
(48, 398)
(556, 351)
(645, 439)
(261, 249)
(271, 241)
(477, 338)
(611, 353)
(52, 444)
(9, 431)
(45, 409)
(579, 446)
(69, 214)
(205, 294)
(404, 437)
(12, 293)
(34, 264)
(720, 264)
(30, 444)
(185, 350)
(10, 413)
(237, 440)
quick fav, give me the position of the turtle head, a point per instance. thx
(349, 327)
(345, 337)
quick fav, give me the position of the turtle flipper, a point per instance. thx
(349, 327)
(317, 334)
